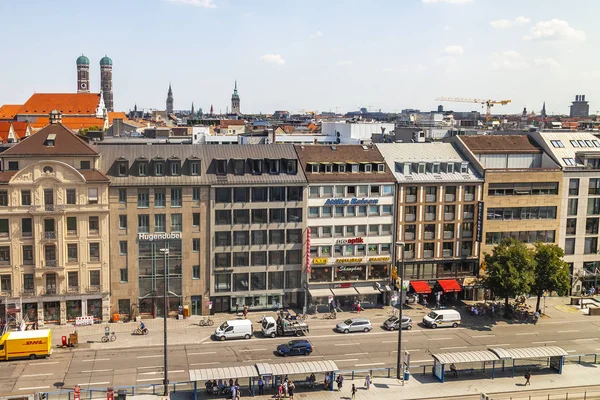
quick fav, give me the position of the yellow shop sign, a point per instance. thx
(349, 260)
(379, 259)
(319, 260)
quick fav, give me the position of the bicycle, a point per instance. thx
(112, 337)
(140, 331)
(207, 321)
(331, 315)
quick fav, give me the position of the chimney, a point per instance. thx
(55, 117)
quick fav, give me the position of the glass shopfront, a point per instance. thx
(350, 273)
(94, 308)
(258, 302)
(30, 312)
(52, 311)
(321, 274)
(379, 272)
(73, 309)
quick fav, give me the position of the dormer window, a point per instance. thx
(328, 167)
(421, 168)
(464, 168)
(353, 168)
(13, 165)
(122, 168)
(368, 167)
(238, 166)
(290, 166)
(49, 142)
(313, 167)
(574, 143)
(450, 168)
(272, 165)
(256, 166)
(175, 168)
(341, 167)
(84, 165)
(194, 167)
(159, 169)
(221, 167)
(380, 167)
(142, 171)
(435, 168)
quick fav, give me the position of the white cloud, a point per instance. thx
(546, 62)
(195, 3)
(555, 29)
(505, 24)
(453, 50)
(447, 1)
(511, 60)
(273, 59)
(501, 24)
(345, 63)
(317, 34)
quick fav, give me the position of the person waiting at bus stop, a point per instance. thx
(453, 370)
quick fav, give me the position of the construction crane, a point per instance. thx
(488, 103)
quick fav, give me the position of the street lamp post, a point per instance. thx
(400, 269)
(165, 252)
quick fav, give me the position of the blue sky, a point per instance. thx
(308, 54)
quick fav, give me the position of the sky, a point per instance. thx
(308, 55)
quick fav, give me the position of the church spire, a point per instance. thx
(192, 112)
(170, 100)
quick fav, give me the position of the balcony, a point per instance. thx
(410, 218)
(428, 235)
(450, 197)
(94, 232)
(448, 216)
(50, 291)
(73, 289)
(430, 198)
(409, 236)
(28, 292)
(49, 235)
(427, 253)
(429, 216)
(469, 197)
(409, 254)
(72, 232)
(467, 234)
(448, 234)
(94, 289)
(51, 264)
(411, 198)
(47, 209)
(468, 215)
(446, 253)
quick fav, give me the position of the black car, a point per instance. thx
(294, 348)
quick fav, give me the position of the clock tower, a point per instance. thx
(83, 74)
(235, 101)
(106, 82)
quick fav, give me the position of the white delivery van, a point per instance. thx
(442, 318)
(234, 329)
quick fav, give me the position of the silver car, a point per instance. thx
(354, 325)
(392, 323)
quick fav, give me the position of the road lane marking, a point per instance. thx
(97, 359)
(44, 363)
(583, 340)
(210, 363)
(544, 341)
(416, 361)
(253, 349)
(526, 333)
(569, 331)
(25, 376)
(500, 345)
(482, 336)
(93, 383)
(312, 356)
(413, 350)
(354, 354)
(157, 366)
(346, 360)
(149, 379)
(364, 365)
(347, 344)
(160, 372)
(97, 370)
(455, 347)
(199, 354)
(388, 341)
(34, 387)
(441, 338)
(155, 356)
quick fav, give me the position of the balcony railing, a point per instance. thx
(72, 232)
(3, 234)
(467, 234)
(448, 234)
(468, 215)
(469, 197)
(410, 217)
(409, 236)
(448, 216)
(51, 263)
(429, 216)
(49, 235)
(427, 253)
(428, 235)
(94, 232)
(466, 252)
(28, 292)
(73, 289)
(411, 198)
(450, 197)
(50, 291)
(446, 253)
(94, 288)
(49, 208)
(430, 198)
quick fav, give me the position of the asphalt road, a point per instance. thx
(143, 365)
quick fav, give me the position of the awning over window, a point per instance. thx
(449, 285)
(420, 287)
(367, 290)
(320, 292)
(349, 291)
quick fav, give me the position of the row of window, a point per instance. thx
(256, 166)
(351, 250)
(523, 236)
(50, 254)
(410, 231)
(244, 281)
(159, 223)
(433, 168)
(158, 167)
(523, 189)
(50, 228)
(71, 197)
(340, 167)
(510, 213)
(350, 191)
(431, 194)
(258, 216)
(349, 211)
(259, 237)
(351, 230)
(591, 226)
(160, 197)
(410, 212)
(576, 143)
(257, 258)
(29, 283)
(590, 245)
(429, 249)
(593, 206)
(258, 194)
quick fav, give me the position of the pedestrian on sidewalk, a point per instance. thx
(285, 387)
(291, 388)
(368, 381)
(358, 307)
(527, 377)
(261, 384)
(279, 391)
(245, 312)
(353, 392)
(340, 381)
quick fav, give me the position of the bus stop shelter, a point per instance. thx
(275, 372)
(466, 360)
(532, 357)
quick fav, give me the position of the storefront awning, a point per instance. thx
(320, 292)
(449, 285)
(347, 291)
(421, 287)
(366, 290)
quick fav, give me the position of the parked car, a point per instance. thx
(442, 318)
(354, 325)
(295, 348)
(234, 329)
(392, 323)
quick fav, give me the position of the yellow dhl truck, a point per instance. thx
(26, 344)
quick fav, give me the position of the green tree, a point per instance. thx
(551, 272)
(509, 270)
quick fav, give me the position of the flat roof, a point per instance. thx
(465, 357)
(529, 352)
(299, 368)
(203, 375)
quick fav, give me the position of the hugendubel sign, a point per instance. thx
(159, 236)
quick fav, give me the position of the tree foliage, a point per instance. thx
(551, 272)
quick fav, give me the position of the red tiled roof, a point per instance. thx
(5, 176)
(4, 129)
(20, 128)
(66, 143)
(116, 114)
(8, 111)
(92, 175)
(66, 103)
(224, 123)
(74, 123)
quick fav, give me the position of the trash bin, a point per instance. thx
(406, 375)
(121, 394)
(116, 317)
(64, 341)
(186, 311)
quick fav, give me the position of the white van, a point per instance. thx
(234, 329)
(442, 318)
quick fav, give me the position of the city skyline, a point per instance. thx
(326, 58)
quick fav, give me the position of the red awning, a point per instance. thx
(449, 285)
(420, 287)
